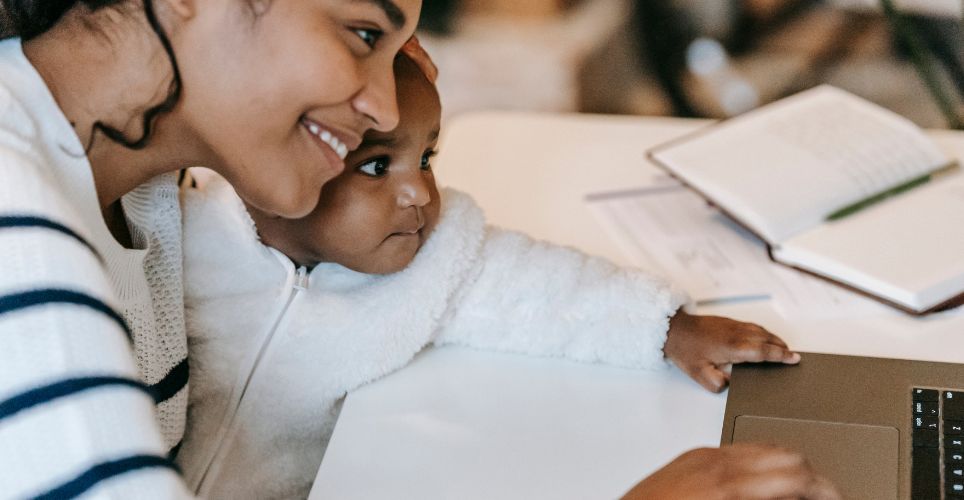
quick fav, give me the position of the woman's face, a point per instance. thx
(279, 91)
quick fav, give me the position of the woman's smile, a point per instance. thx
(334, 144)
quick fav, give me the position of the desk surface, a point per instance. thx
(464, 424)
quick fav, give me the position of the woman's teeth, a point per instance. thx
(329, 139)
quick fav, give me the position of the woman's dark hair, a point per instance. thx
(31, 18)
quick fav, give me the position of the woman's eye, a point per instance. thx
(369, 36)
(374, 168)
(427, 159)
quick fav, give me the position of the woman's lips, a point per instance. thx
(334, 144)
(326, 137)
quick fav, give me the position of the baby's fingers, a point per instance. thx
(710, 377)
(754, 332)
(757, 352)
(773, 339)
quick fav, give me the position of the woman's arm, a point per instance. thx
(74, 415)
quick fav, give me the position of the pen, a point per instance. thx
(736, 299)
(900, 188)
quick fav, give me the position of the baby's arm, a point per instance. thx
(532, 297)
(536, 298)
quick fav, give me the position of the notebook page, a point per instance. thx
(908, 249)
(783, 168)
(672, 230)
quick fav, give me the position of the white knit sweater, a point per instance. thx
(77, 396)
(274, 349)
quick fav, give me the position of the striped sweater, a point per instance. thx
(93, 366)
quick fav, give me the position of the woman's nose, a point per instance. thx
(377, 101)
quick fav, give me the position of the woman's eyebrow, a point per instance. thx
(394, 14)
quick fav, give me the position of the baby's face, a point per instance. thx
(375, 216)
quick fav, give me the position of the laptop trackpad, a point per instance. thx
(860, 459)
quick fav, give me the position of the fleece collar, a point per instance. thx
(341, 310)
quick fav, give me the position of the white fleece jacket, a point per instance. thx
(275, 349)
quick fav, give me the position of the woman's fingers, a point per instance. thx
(823, 489)
(746, 471)
(786, 483)
(757, 458)
(769, 472)
(414, 50)
(799, 482)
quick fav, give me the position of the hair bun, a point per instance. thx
(6, 22)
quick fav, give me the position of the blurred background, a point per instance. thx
(706, 58)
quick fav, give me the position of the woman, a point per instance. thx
(89, 200)
(101, 103)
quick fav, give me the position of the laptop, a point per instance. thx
(878, 428)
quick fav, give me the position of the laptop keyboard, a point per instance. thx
(938, 436)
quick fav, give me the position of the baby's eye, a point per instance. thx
(369, 36)
(427, 159)
(374, 168)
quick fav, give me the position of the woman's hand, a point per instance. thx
(413, 49)
(745, 471)
(705, 347)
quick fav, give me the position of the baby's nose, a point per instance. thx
(415, 191)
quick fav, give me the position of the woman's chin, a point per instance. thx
(296, 208)
(303, 195)
(292, 203)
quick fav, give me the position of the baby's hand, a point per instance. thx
(705, 347)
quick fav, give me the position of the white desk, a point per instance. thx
(463, 424)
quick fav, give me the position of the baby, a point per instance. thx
(287, 316)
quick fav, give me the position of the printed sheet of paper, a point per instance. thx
(670, 229)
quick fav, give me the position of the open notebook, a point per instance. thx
(840, 188)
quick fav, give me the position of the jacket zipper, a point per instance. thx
(300, 284)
